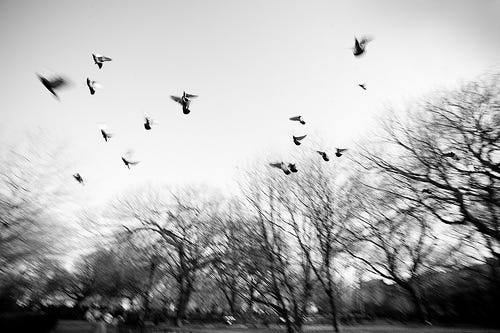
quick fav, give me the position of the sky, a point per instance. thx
(253, 64)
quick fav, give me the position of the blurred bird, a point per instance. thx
(360, 46)
(339, 151)
(298, 118)
(148, 122)
(282, 166)
(297, 139)
(324, 155)
(106, 135)
(362, 85)
(78, 178)
(427, 191)
(451, 155)
(100, 59)
(53, 83)
(92, 86)
(292, 167)
(127, 159)
(185, 101)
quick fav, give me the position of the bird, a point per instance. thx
(427, 191)
(297, 139)
(53, 83)
(324, 155)
(298, 118)
(92, 86)
(185, 101)
(292, 167)
(127, 159)
(339, 151)
(282, 166)
(106, 135)
(100, 59)
(78, 178)
(148, 122)
(360, 46)
(451, 155)
(362, 85)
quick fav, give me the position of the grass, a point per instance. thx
(75, 326)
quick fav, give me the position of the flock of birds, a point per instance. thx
(55, 82)
(288, 168)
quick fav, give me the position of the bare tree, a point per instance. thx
(320, 212)
(181, 222)
(449, 149)
(400, 240)
(282, 276)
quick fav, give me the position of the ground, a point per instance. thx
(70, 326)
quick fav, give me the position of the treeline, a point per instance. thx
(418, 208)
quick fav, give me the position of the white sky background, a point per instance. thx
(253, 64)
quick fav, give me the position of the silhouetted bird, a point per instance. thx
(292, 167)
(360, 46)
(99, 59)
(339, 151)
(148, 122)
(324, 155)
(185, 101)
(53, 83)
(297, 139)
(78, 178)
(298, 118)
(128, 163)
(282, 166)
(362, 85)
(451, 155)
(92, 85)
(106, 135)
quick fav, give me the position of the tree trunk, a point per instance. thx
(417, 301)
(333, 310)
(186, 288)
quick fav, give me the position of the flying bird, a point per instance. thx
(298, 118)
(362, 85)
(92, 86)
(292, 167)
(185, 101)
(451, 155)
(100, 59)
(127, 159)
(297, 139)
(148, 122)
(105, 134)
(324, 155)
(339, 151)
(360, 46)
(282, 166)
(53, 83)
(78, 178)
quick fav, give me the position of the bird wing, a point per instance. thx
(57, 82)
(176, 98)
(191, 96)
(134, 162)
(297, 118)
(341, 150)
(298, 138)
(276, 165)
(356, 44)
(102, 58)
(99, 64)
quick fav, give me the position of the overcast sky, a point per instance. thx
(253, 64)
